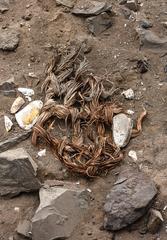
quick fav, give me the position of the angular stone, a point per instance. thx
(122, 129)
(11, 142)
(8, 88)
(66, 3)
(99, 24)
(27, 16)
(60, 211)
(17, 173)
(126, 12)
(4, 6)
(17, 104)
(132, 5)
(129, 200)
(149, 39)
(90, 8)
(9, 39)
(145, 24)
(128, 94)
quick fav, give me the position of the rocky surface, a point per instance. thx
(60, 211)
(128, 200)
(114, 55)
(17, 173)
(9, 39)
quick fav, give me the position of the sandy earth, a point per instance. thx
(115, 51)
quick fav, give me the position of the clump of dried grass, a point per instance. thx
(74, 95)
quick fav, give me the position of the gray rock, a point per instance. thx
(132, 5)
(122, 2)
(60, 211)
(17, 173)
(11, 142)
(149, 39)
(66, 3)
(8, 88)
(90, 8)
(9, 39)
(129, 200)
(27, 16)
(122, 129)
(24, 228)
(145, 24)
(4, 6)
(99, 24)
(126, 12)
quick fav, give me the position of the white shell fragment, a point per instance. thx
(17, 104)
(128, 94)
(8, 123)
(42, 153)
(132, 154)
(130, 112)
(122, 128)
(26, 91)
(28, 116)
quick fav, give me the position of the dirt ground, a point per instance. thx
(115, 51)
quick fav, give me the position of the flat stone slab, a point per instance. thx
(17, 173)
(90, 8)
(11, 142)
(60, 211)
(66, 3)
(129, 199)
(99, 24)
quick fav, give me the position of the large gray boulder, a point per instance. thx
(60, 211)
(128, 200)
(17, 173)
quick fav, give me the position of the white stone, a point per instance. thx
(27, 117)
(130, 112)
(128, 94)
(26, 91)
(42, 153)
(17, 104)
(122, 128)
(132, 154)
(8, 123)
